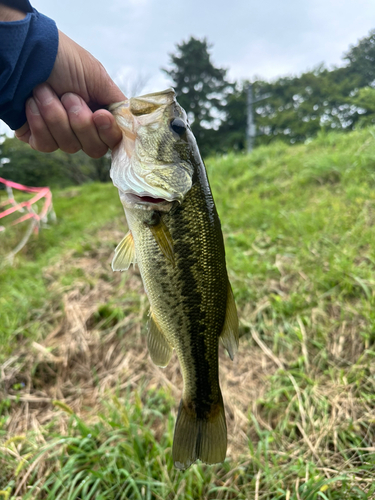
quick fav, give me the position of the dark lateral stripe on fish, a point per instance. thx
(192, 300)
(203, 359)
(181, 258)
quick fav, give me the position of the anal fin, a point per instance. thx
(229, 335)
(159, 348)
(124, 254)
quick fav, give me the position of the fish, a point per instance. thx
(176, 240)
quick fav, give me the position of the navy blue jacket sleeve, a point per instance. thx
(28, 50)
(23, 5)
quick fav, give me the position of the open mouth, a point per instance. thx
(144, 199)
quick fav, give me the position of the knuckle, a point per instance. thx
(82, 126)
(50, 148)
(96, 153)
(71, 149)
(54, 116)
(39, 129)
(23, 138)
(45, 148)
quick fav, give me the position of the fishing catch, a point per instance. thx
(175, 238)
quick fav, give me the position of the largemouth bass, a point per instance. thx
(175, 238)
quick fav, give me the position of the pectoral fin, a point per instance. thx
(229, 335)
(124, 254)
(159, 348)
(164, 240)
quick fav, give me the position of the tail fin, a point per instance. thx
(195, 438)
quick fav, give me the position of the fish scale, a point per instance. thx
(178, 245)
(197, 290)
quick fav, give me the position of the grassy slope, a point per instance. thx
(299, 230)
(24, 293)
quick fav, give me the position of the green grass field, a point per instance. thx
(84, 414)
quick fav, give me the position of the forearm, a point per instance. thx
(46, 99)
(8, 14)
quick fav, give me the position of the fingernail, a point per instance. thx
(44, 94)
(72, 103)
(33, 106)
(102, 122)
(32, 142)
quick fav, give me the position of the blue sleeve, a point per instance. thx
(23, 5)
(28, 50)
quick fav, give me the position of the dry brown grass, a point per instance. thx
(79, 362)
(83, 361)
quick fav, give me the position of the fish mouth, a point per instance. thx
(145, 199)
(146, 202)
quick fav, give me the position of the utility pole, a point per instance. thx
(251, 130)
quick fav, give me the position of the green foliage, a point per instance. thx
(304, 204)
(119, 458)
(24, 290)
(20, 163)
(298, 224)
(232, 131)
(201, 88)
(361, 60)
(110, 459)
(364, 99)
(298, 107)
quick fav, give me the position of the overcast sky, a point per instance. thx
(133, 38)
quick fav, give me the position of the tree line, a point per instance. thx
(20, 163)
(295, 109)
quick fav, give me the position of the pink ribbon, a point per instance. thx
(43, 192)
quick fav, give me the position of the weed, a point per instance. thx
(97, 416)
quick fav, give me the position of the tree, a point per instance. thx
(201, 89)
(20, 163)
(364, 100)
(361, 60)
(232, 131)
(299, 106)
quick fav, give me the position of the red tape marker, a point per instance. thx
(42, 192)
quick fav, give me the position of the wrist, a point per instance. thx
(8, 14)
(30, 47)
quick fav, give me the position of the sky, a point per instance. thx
(266, 39)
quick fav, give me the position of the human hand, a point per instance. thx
(60, 113)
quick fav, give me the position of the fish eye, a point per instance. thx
(178, 126)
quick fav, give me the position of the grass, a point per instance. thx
(85, 415)
(24, 294)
